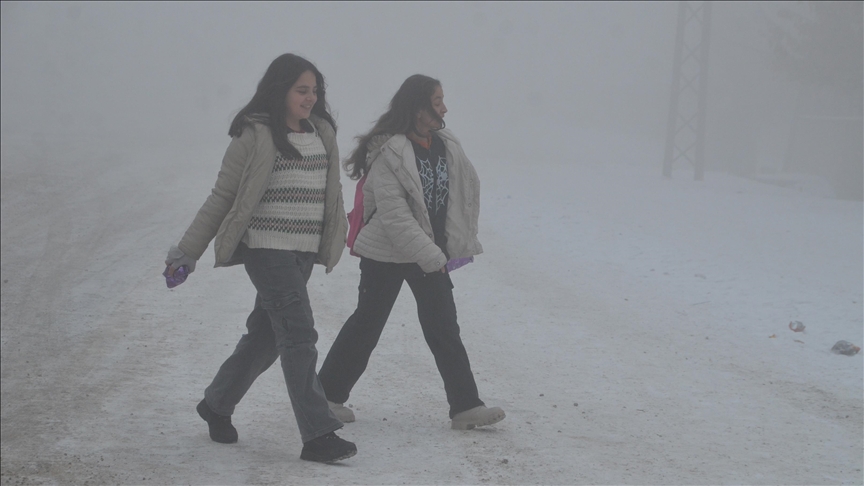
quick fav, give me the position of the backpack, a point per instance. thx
(355, 217)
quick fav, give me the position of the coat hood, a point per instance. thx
(377, 142)
(373, 147)
(264, 119)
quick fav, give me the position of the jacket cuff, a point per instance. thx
(434, 265)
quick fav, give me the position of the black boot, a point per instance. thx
(221, 429)
(328, 448)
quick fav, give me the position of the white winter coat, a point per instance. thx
(400, 230)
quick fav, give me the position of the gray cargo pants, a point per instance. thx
(281, 324)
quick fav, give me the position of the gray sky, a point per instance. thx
(515, 74)
(152, 69)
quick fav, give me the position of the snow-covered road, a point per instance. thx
(634, 329)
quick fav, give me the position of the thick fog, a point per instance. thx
(635, 328)
(148, 71)
(521, 79)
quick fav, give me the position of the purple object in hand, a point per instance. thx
(178, 278)
(458, 262)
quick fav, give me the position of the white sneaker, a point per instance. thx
(343, 413)
(477, 417)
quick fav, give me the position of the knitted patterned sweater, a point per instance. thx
(290, 215)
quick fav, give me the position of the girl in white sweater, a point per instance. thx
(277, 209)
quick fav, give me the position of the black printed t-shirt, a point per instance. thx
(432, 166)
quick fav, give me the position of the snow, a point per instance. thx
(634, 329)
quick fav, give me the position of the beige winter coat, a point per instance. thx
(240, 185)
(400, 230)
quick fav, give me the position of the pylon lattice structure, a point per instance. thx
(685, 129)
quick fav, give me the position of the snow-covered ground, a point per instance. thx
(635, 330)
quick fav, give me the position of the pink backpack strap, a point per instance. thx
(355, 217)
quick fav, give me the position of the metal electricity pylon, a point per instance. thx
(685, 129)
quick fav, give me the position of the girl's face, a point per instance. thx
(300, 99)
(425, 121)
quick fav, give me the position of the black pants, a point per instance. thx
(380, 284)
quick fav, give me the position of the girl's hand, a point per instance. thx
(176, 259)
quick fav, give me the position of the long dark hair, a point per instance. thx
(414, 95)
(269, 100)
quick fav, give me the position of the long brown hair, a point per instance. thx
(269, 100)
(414, 95)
